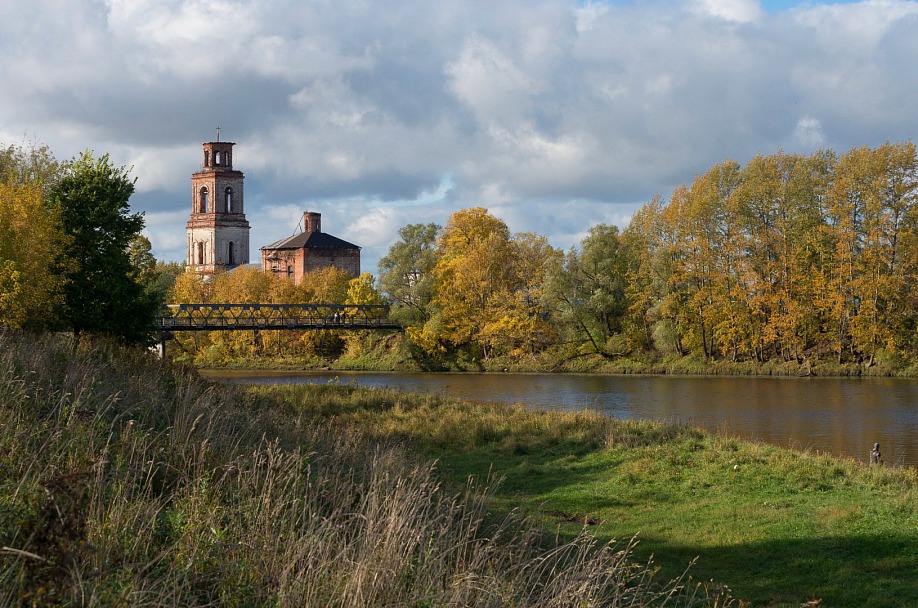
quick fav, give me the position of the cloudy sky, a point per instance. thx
(556, 115)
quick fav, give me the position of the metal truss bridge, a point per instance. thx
(242, 317)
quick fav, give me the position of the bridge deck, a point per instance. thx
(236, 317)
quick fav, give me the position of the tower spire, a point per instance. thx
(218, 132)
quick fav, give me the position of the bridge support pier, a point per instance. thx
(163, 338)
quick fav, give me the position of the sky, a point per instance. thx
(555, 115)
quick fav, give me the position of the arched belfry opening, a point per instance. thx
(218, 233)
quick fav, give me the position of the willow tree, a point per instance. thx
(587, 292)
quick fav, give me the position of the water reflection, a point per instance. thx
(843, 416)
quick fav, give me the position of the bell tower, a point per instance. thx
(218, 233)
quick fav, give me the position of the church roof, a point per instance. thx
(311, 240)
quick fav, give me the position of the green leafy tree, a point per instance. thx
(406, 272)
(140, 252)
(587, 291)
(103, 294)
(165, 275)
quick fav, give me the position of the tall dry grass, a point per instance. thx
(126, 483)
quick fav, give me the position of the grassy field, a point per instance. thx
(779, 527)
(124, 482)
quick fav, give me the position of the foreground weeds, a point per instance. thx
(124, 483)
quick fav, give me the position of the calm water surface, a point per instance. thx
(843, 416)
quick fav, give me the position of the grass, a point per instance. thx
(779, 527)
(127, 483)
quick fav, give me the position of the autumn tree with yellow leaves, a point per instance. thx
(789, 257)
(487, 288)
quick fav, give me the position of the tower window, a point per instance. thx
(216, 158)
(206, 158)
(231, 255)
(200, 253)
(202, 200)
(229, 200)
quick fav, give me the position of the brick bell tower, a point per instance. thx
(218, 233)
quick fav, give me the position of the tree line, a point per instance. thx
(788, 257)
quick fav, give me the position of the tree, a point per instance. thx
(323, 286)
(473, 265)
(405, 273)
(488, 288)
(30, 165)
(651, 252)
(872, 206)
(165, 274)
(361, 292)
(143, 264)
(587, 291)
(781, 215)
(516, 319)
(102, 294)
(31, 292)
(31, 284)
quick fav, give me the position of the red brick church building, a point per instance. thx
(310, 250)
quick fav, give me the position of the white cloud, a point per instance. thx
(808, 134)
(740, 11)
(495, 88)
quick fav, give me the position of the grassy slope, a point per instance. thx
(779, 527)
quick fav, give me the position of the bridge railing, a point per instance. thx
(230, 317)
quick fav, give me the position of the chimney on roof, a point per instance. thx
(312, 222)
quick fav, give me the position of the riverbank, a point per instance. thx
(393, 353)
(779, 527)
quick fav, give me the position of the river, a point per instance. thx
(843, 416)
